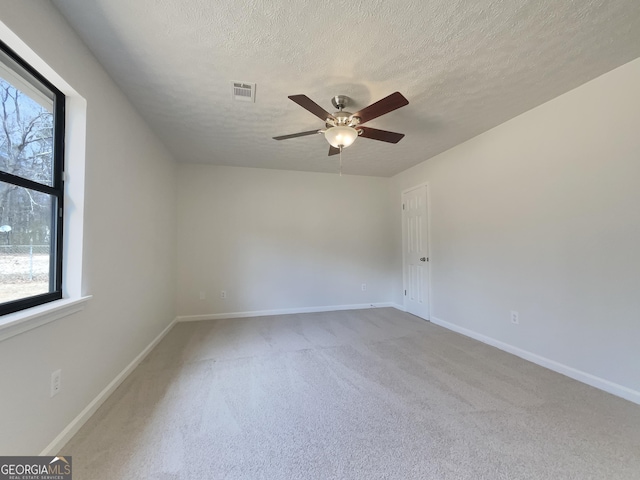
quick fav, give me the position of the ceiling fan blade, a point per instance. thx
(294, 135)
(308, 104)
(333, 150)
(386, 105)
(382, 135)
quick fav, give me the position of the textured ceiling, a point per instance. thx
(465, 67)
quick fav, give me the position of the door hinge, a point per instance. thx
(403, 206)
(60, 212)
(405, 293)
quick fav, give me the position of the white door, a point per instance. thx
(415, 252)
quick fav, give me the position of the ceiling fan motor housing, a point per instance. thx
(342, 119)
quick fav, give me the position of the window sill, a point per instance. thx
(25, 320)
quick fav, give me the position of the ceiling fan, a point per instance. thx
(342, 127)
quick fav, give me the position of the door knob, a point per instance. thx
(423, 259)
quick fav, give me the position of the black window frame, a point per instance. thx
(56, 191)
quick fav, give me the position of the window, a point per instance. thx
(31, 185)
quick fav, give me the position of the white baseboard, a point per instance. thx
(397, 306)
(579, 375)
(283, 311)
(70, 430)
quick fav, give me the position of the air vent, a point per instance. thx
(244, 92)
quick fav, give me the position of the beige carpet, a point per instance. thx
(369, 394)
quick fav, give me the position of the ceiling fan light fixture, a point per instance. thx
(341, 137)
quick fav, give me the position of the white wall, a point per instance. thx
(280, 239)
(542, 215)
(129, 250)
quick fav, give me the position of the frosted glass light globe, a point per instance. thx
(341, 136)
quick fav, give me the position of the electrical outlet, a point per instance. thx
(56, 382)
(364, 287)
(223, 294)
(514, 317)
(203, 296)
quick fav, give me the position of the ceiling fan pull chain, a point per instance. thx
(340, 161)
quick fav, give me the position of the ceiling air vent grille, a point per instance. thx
(244, 92)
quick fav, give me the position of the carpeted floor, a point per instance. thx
(368, 394)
